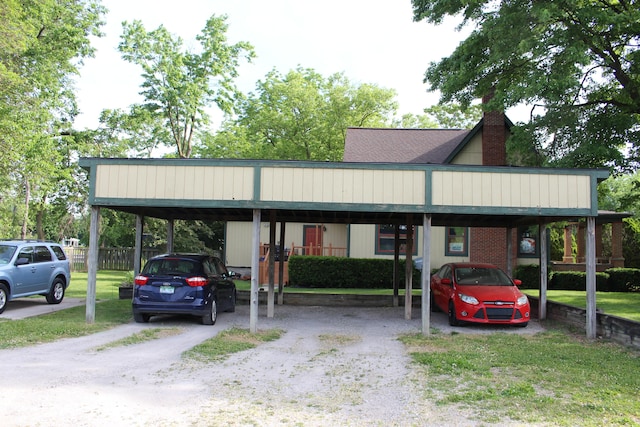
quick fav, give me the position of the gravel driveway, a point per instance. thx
(333, 366)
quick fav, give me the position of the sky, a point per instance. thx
(370, 41)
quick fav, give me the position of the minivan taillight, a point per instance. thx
(197, 281)
(140, 280)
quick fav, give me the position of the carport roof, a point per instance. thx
(350, 193)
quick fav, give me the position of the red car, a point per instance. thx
(478, 293)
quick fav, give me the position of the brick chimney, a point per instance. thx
(489, 244)
(494, 136)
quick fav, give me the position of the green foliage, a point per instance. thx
(340, 272)
(623, 280)
(529, 275)
(574, 62)
(300, 116)
(178, 84)
(44, 43)
(577, 281)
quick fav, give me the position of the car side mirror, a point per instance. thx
(446, 282)
(517, 282)
(22, 261)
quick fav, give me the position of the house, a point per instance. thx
(482, 145)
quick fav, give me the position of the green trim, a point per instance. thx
(257, 178)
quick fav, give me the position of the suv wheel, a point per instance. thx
(56, 294)
(4, 295)
(212, 314)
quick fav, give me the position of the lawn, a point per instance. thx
(621, 304)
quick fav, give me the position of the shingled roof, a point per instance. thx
(384, 145)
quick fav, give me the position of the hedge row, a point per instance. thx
(341, 272)
(612, 280)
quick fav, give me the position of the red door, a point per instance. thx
(313, 239)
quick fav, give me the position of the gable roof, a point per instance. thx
(385, 145)
(393, 145)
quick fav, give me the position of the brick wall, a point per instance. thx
(490, 245)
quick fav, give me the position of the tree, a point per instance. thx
(301, 115)
(178, 85)
(577, 63)
(43, 45)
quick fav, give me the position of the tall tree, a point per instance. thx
(43, 45)
(301, 115)
(178, 84)
(577, 63)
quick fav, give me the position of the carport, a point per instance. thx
(347, 193)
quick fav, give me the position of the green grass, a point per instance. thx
(107, 283)
(67, 323)
(548, 378)
(140, 337)
(621, 304)
(230, 341)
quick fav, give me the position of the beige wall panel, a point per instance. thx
(240, 236)
(471, 154)
(174, 182)
(492, 189)
(342, 186)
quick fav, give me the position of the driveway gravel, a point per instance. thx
(332, 366)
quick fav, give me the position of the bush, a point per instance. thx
(576, 281)
(529, 275)
(623, 280)
(341, 272)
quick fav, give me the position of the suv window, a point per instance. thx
(6, 252)
(43, 254)
(26, 252)
(59, 252)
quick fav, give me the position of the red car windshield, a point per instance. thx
(481, 276)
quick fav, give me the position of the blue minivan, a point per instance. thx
(191, 284)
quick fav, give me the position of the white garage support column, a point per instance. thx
(272, 263)
(281, 266)
(591, 277)
(396, 266)
(94, 230)
(426, 273)
(544, 274)
(170, 235)
(408, 270)
(137, 252)
(255, 272)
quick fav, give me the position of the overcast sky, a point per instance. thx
(371, 41)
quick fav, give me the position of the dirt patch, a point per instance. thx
(332, 366)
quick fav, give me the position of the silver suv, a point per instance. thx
(29, 267)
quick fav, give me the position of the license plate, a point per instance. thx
(166, 289)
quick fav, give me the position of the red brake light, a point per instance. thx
(197, 281)
(140, 280)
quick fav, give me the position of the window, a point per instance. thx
(528, 242)
(385, 236)
(456, 241)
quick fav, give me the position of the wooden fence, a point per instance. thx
(108, 258)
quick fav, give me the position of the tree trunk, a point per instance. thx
(25, 219)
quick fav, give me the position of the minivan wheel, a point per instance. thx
(4, 295)
(56, 294)
(212, 314)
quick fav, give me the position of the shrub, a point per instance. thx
(341, 272)
(576, 281)
(529, 275)
(623, 280)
